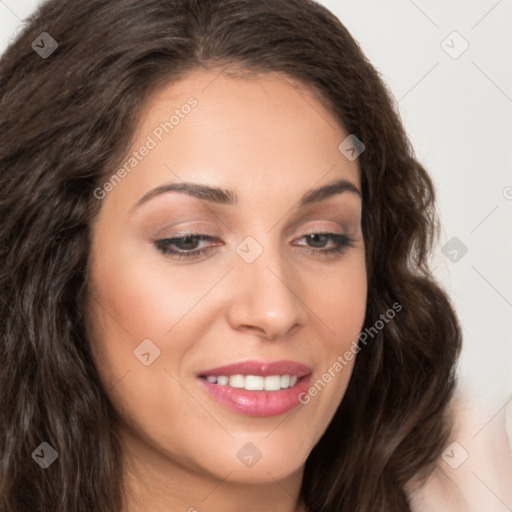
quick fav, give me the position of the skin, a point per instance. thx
(269, 141)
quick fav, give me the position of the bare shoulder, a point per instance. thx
(474, 473)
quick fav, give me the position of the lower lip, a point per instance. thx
(258, 403)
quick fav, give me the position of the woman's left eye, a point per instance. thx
(186, 246)
(340, 242)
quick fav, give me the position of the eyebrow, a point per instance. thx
(227, 197)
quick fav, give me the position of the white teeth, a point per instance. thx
(236, 381)
(272, 383)
(255, 382)
(222, 380)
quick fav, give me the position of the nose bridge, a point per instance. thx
(264, 299)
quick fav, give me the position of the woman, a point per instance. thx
(214, 281)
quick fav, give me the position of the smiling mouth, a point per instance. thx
(254, 382)
(257, 388)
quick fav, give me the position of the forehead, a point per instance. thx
(263, 133)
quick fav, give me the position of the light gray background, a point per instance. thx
(458, 113)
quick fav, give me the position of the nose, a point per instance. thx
(265, 299)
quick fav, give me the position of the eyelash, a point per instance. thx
(342, 243)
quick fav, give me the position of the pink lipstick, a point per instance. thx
(257, 388)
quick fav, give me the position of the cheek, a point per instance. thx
(340, 304)
(127, 305)
(339, 297)
(145, 298)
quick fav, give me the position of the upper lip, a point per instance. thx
(260, 368)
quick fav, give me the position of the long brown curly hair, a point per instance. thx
(65, 122)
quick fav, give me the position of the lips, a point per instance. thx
(261, 368)
(257, 388)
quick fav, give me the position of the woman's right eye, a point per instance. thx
(184, 246)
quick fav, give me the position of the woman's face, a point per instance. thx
(265, 297)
